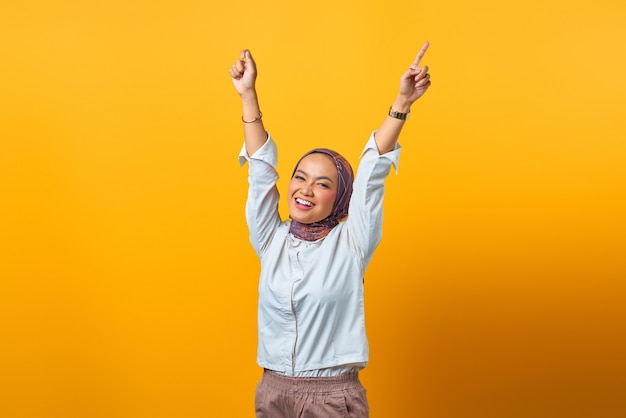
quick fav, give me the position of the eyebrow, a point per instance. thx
(318, 178)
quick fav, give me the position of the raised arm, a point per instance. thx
(244, 73)
(413, 84)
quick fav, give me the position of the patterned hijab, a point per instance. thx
(317, 230)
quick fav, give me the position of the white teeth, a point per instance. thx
(303, 202)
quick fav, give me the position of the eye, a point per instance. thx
(323, 185)
(297, 177)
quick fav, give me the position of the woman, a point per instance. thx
(311, 329)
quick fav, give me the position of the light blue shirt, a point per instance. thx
(311, 318)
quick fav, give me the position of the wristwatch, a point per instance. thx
(398, 115)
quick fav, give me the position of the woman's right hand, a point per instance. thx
(243, 73)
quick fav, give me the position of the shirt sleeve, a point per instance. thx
(365, 214)
(262, 205)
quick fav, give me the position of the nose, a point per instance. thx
(306, 190)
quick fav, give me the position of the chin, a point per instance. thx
(305, 221)
(302, 221)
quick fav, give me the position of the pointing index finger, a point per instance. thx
(420, 55)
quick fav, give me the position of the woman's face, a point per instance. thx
(313, 189)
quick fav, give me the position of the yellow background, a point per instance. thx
(127, 283)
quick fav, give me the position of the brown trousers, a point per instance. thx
(279, 396)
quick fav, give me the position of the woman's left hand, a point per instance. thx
(416, 80)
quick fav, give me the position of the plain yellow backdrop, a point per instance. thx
(127, 283)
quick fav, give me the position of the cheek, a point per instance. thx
(329, 200)
(290, 188)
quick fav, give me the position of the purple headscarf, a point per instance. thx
(317, 230)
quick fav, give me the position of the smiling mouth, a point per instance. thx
(304, 202)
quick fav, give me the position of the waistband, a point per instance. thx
(284, 383)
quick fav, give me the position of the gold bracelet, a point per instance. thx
(398, 115)
(256, 120)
